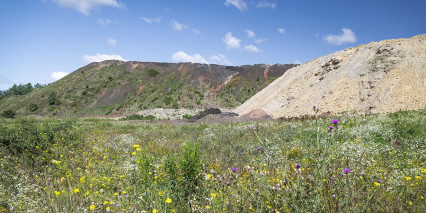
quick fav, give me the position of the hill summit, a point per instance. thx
(379, 77)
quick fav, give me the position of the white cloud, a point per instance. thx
(260, 40)
(266, 4)
(219, 59)
(105, 22)
(296, 62)
(281, 30)
(102, 57)
(181, 56)
(85, 6)
(348, 36)
(112, 41)
(230, 41)
(250, 33)
(58, 75)
(239, 4)
(179, 27)
(251, 48)
(152, 20)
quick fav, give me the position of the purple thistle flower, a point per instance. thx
(335, 121)
(258, 149)
(314, 107)
(346, 171)
(337, 127)
(297, 166)
(251, 128)
(379, 181)
(331, 127)
(37, 162)
(235, 169)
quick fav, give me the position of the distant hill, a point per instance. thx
(379, 77)
(117, 88)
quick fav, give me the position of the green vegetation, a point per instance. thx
(32, 107)
(53, 100)
(369, 164)
(9, 113)
(21, 89)
(139, 117)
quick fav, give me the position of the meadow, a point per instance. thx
(346, 163)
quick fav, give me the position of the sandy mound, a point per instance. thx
(379, 77)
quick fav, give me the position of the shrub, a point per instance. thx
(32, 107)
(139, 117)
(84, 92)
(191, 162)
(52, 99)
(8, 114)
(152, 72)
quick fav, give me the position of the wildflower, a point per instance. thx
(235, 169)
(379, 181)
(76, 190)
(58, 162)
(207, 207)
(133, 153)
(136, 146)
(297, 166)
(314, 107)
(168, 200)
(213, 195)
(423, 170)
(331, 127)
(92, 207)
(57, 193)
(376, 183)
(107, 209)
(407, 178)
(335, 121)
(154, 211)
(418, 177)
(258, 149)
(346, 171)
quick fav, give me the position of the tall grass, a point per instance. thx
(369, 164)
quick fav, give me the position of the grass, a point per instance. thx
(83, 165)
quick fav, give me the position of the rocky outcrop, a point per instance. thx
(379, 77)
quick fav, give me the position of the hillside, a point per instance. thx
(117, 88)
(379, 77)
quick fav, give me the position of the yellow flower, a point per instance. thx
(106, 202)
(76, 190)
(423, 170)
(409, 202)
(376, 184)
(62, 179)
(138, 149)
(418, 177)
(154, 211)
(92, 207)
(57, 193)
(207, 207)
(407, 178)
(133, 153)
(87, 193)
(208, 176)
(116, 194)
(168, 200)
(124, 192)
(107, 208)
(213, 195)
(58, 162)
(136, 146)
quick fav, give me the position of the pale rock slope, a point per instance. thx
(379, 77)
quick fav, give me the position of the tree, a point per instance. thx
(52, 99)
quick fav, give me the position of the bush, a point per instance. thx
(32, 107)
(8, 114)
(52, 99)
(152, 72)
(191, 162)
(84, 92)
(139, 117)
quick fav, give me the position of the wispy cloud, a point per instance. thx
(102, 57)
(250, 33)
(266, 4)
(85, 6)
(296, 62)
(105, 22)
(251, 48)
(260, 40)
(112, 41)
(348, 36)
(179, 27)
(152, 20)
(239, 4)
(281, 30)
(58, 75)
(231, 41)
(181, 56)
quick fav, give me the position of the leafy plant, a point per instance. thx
(32, 107)
(8, 114)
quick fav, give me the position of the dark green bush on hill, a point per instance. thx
(32, 107)
(52, 99)
(8, 114)
(152, 72)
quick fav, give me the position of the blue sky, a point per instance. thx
(42, 40)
